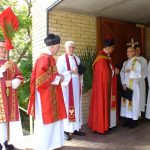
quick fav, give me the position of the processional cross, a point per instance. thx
(132, 43)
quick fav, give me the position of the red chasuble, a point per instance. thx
(100, 106)
(9, 110)
(52, 102)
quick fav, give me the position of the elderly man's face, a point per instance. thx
(130, 52)
(70, 49)
(2, 50)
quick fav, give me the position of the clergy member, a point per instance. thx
(67, 65)
(102, 114)
(46, 100)
(143, 62)
(130, 78)
(148, 97)
(10, 79)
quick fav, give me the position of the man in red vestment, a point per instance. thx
(10, 79)
(46, 100)
(103, 100)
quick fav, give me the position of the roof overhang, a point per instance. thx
(136, 11)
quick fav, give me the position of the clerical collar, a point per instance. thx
(71, 55)
(106, 52)
(132, 58)
(47, 51)
(2, 59)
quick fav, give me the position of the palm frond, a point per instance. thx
(87, 56)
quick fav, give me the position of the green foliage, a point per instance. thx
(87, 56)
(22, 43)
(9, 30)
(24, 90)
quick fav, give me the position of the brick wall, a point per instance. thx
(70, 26)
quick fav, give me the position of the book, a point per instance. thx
(127, 94)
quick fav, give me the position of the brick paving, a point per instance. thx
(119, 139)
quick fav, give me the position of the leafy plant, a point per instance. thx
(22, 54)
(87, 56)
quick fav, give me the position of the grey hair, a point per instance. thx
(68, 43)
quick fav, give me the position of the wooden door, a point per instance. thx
(122, 32)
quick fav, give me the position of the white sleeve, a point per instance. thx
(56, 80)
(122, 74)
(82, 81)
(144, 69)
(2, 70)
(148, 74)
(136, 74)
(16, 83)
(78, 60)
(61, 66)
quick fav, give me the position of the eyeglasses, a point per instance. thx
(72, 47)
(130, 51)
(2, 47)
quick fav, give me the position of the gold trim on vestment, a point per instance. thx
(54, 102)
(100, 57)
(2, 110)
(124, 101)
(40, 80)
(13, 96)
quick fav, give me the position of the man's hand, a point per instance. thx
(116, 71)
(61, 77)
(127, 70)
(7, 65)
(74, 71)
(124, 87)
(8, 83)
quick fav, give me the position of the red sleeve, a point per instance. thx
(44, 72)
(14, 72)
(18, 74)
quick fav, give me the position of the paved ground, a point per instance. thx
(119, 139)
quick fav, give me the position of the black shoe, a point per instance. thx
(133, 124)
(79, 133)
(67, 136)
(1, 147)
(126, 123)
(8, 146)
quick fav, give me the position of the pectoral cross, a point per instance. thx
(71, 112)
(132, 43)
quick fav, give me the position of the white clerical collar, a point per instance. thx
(47, 51)
(106, 52)
(71, 55)
(130, 60)
(3, 59)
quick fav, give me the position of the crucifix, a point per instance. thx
(132, 43)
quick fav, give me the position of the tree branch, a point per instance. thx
(23, 52)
